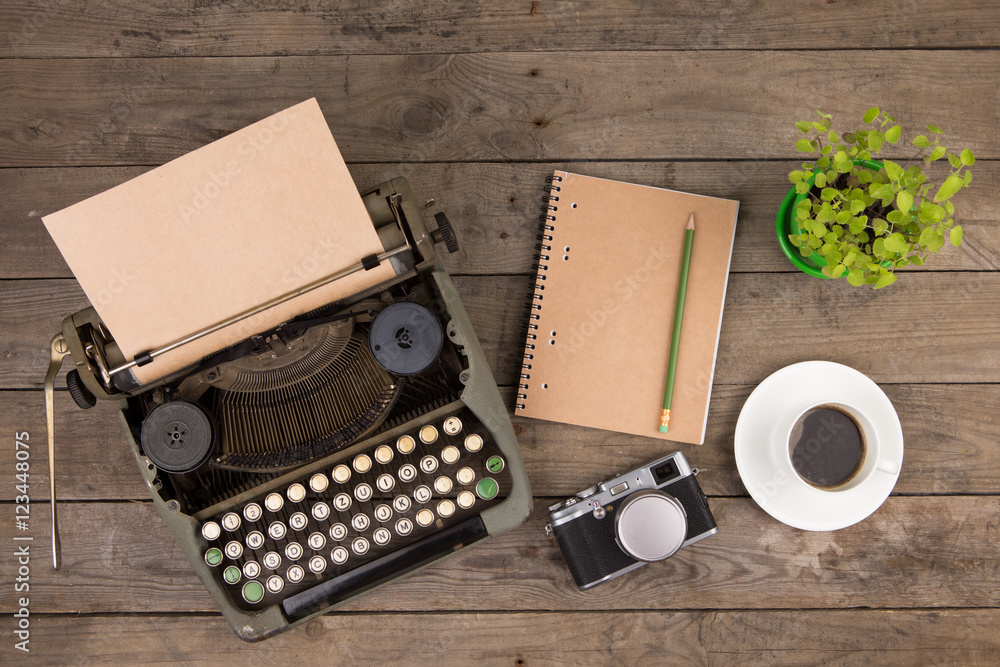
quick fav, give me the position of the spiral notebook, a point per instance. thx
(603, 304)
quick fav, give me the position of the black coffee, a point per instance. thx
(828, 447)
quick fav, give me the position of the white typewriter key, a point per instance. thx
(405, 444)
(383, 513)
(442, 484)
(404, 527)
(255, 540)
(341, 502)
(296, 493)
(466, 476)
(361, 522)
(234, 550)
(317, 564)
(272, 560)
(452, 425)
(425, 517)
(422, 493)
(381, 536)
(320, 511)
(363, 492)
(473, 442)
(252, 512)
(385, 483)
(276, 530)
(428, 434)
(274, 502)
(319, 482)
(445, 508)
(429, 464)
(231, 521)
(383, 454)
(298, 521)
(275, 583)
(294, 574)
(341, 474)
(407, 472)
(466, 499)
(362, 463)
(211, 531)
(338, 531)
(293, 551)
(450, 454)
(359, 546)
(317, 541)
(401, 503)
(339, 555)
(251, 569)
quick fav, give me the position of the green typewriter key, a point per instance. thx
(494, 464)
(213, 556)
(487, 489)
(232, 574)
(253, 592)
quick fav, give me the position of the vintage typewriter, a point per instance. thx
(341, 450)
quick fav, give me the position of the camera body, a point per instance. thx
(641, 516)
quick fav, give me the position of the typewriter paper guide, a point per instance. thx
(254, 215)
(609, 293)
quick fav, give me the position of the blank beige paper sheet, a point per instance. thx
(257, 214)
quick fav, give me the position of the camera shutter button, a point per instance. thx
(651, 526)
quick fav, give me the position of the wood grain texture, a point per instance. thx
(501, 107)
(717, 639)
(494, 209)
(914, 552)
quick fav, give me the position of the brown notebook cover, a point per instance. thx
(603, 305)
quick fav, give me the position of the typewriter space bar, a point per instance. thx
(331, 591)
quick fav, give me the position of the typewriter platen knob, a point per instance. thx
(445, 233)
(81, 395)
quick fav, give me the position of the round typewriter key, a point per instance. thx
(452, 425)
(232, 575)
(274, 502)
(422, 493)
(320, 511)
(213, 556)
(298, 521)
(425, 518)
(445, 508)
(231, 521)
(450, 454)
(211, 531)
(276, 530)
(466, 499)
(428, 434)
(363, 492)
(255, 540)
(407, 472)
(234, 550)
(362, 463)
(405, 444)
(494, 464)
(466, 476)
(429, 464)
(401, 503)
(252, 512)
(473, 442)
(404, 527)
(272, 560)
(361, 522)
(339, 555)
(253, 592)
(338, 531)
(317, 541)
(296, 493)
(383, 513)
(381, 536)
(341, 474)
(487, 488)
(319, 482)
(317, 564)
(341, 502)
(251, 569)
(442, 484)
(275, 583)
(359, 546)
(295, 574)
(385, 483)
(383, 454)
(293, 551)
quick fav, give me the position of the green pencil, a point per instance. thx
(675, 338)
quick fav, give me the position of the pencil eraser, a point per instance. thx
(664, 429)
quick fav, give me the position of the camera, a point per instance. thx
(638, 517)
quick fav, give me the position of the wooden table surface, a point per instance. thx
(475, 103)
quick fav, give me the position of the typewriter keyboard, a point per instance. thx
(354, 513)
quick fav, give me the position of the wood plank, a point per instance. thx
(948, 451)
(488, 107)
(495, 208)
(961, 636)
(914, 552)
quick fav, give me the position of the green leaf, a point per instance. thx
(838, 271)
(826, 150)
(878, 248)
(843, 217)
(875, 141)
(968, 177)
(926, 235)
(833, 137)
(936, 242)
(823, 162)
(916, 260)
(885, 280)
(893, 133)
(821, 178)
(880, 226)
(938, 153)
(804, 126)
(796, 176)
(801, 187)
(951, 185)
(921, 141)
(968, 159)
(955, 161)
(893, 170)
(803, 146)
(856, 278)
(935, 129)
(856, 226)
(896, 243)
(870, 115)
(904, 201)
(956, 235)
(864, 176)
(857, 206)
(894, 216)
(827, 194)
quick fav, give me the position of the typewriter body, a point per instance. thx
(337, 452)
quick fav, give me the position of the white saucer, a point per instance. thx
(761, 452)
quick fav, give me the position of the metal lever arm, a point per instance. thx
(57, 352)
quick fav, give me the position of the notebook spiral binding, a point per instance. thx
(544, 247)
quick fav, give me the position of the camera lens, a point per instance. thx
(651, 526)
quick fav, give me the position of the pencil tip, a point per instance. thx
(691, 221)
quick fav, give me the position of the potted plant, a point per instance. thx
(851, 216)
